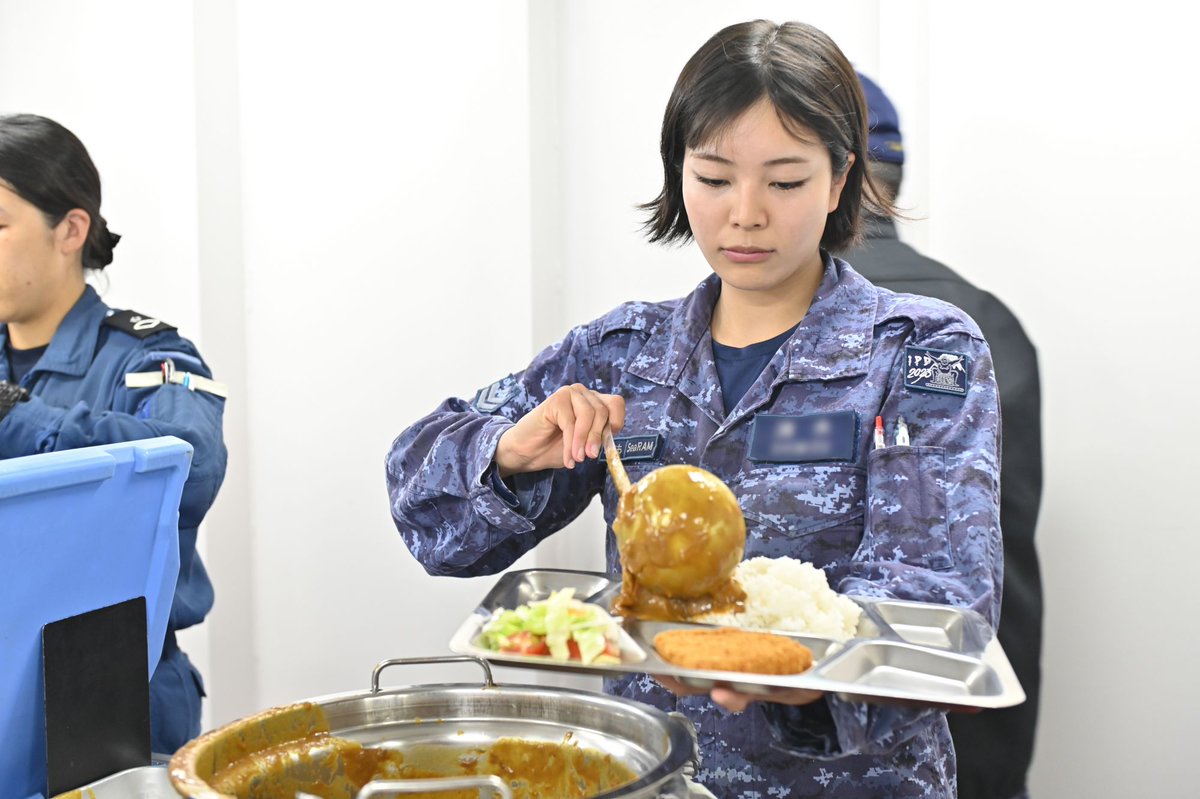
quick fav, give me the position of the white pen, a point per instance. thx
(901, 432)
(879, 442)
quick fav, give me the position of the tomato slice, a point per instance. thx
(526, 643)
(609, 649)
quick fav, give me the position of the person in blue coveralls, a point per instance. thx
(769, 374)
(76, 373)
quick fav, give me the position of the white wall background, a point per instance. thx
(357, 209)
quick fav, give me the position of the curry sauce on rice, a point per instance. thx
(789, 595)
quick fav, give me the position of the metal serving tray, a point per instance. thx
(145, 782)
(912, 651)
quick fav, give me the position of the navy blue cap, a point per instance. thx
(884, 141)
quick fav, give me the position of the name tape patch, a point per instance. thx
(801, 439)
(639, 448)
(936, 370)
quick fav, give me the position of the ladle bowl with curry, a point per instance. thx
(680, 533)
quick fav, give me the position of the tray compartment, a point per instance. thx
(532, 585)
(631, 652)
(902, 668)
(644, 632)
(934, 626)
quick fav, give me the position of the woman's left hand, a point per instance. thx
(736, 701)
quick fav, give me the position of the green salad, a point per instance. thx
(560, 627)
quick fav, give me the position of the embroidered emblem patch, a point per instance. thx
(936, 370)
(492, 398)
(136, 324)
(803, 439)
(638, 448)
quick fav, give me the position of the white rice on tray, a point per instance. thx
(792, 596)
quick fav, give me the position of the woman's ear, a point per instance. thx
(72, 231)
(839, 183)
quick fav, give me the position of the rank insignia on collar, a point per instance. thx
(136, 324)
(940, 371)
(492, 398)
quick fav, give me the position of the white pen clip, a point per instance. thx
(901, 432)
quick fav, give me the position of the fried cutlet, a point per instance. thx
(729, 649)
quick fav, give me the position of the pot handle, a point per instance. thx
(488, 682)
(693, 765)
(398, 787)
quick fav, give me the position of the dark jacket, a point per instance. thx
(994, 747)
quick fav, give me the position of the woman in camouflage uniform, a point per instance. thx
(770, 374)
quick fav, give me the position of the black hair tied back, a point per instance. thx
(47, 166)
(100, 245)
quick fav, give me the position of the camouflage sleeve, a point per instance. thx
(455, 518)
(932, 529)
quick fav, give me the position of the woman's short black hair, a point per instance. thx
(47, 166)
(810, 83)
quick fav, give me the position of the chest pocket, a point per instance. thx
(906, 520)
(809, 511)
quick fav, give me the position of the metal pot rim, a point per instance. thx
(679, 743)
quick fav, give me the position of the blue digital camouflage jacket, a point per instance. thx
(919, 522)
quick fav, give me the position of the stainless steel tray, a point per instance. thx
(145, 782)
(913, 651)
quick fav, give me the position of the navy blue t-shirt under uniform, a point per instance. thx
(739, 367)
(21, 361)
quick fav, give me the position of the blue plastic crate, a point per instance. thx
(79, 530)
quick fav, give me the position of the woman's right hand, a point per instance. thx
(564, 430)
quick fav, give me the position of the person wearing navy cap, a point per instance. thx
(995, 747)
(76, 373)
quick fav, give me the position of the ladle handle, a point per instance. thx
(615, 468)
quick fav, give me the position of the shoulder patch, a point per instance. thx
(136, 324)
(940, 371)
(490, 399)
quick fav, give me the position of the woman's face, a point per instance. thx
(757, 199)
(32, 269)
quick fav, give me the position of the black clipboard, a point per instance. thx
(97, 695)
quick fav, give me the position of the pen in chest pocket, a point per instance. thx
(879, 442)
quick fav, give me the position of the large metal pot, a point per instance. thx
(658, 748)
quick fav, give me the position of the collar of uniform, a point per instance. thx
(74, 343)
(834, 338)
(674, 340)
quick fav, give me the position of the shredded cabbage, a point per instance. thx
(558, 619)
